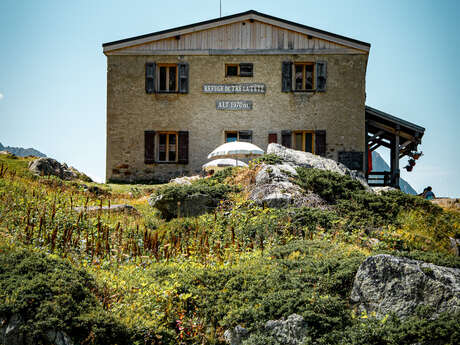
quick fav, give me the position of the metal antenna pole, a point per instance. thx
(220, 8)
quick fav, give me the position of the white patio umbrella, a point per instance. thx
(223, 163)
(236, 149)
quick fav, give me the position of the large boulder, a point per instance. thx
(387, 284)
(306, 159)
(193, 205)
(274, 188)
(49, 166)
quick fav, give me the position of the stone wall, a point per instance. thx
(130, 111)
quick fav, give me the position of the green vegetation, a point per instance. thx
(107, 278)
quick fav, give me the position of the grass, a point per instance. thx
(145, 280)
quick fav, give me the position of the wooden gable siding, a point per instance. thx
(251, 36)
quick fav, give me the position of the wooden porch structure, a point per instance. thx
(400, 136)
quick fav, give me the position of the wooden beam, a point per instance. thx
(393, 131)
(379, 133)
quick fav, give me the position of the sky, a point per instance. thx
(53, 71)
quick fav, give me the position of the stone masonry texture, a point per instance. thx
(130, 111)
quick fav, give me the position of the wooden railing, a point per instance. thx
(379, 178)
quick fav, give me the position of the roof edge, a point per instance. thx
(216, 20)
(405, 123)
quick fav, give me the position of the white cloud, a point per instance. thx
(1, 96)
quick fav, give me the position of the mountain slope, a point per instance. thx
(379, 164)
(22, 152)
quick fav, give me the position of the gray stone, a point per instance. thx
(274, 188)
(185, 180)
(113, 208)
(10, 331)
(386, 284)
(381, 190)
(454, 246)
(236, 335)
(193, 205)
(49, 166)
(291, 331)
(309, 160)
(58, 338)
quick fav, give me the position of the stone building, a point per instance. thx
(175, 95)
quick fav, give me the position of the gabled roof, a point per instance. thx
(248, 15)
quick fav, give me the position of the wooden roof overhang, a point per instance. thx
(123, 45)
(383, 128)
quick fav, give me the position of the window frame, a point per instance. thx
(157, 150)
(304, 79)
(237, 132)
(168, 66)
(238, 70)
(304, 132)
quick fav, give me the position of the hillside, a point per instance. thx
(239, 269)
(21, 152)
(379, 164)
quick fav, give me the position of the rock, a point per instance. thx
(185, 179)
(291, 331)
(58, 338)
(386, 284)
(454, 246)
(193, 205)
(274, 188)
(10, 333)
(113, 208)
(49, 166)
(381, 190)
(236, 335)
(309, 160)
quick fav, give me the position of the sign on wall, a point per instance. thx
(234, 88)
(233, 105)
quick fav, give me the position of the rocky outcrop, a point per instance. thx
(49, 166)
(291, 331)
(306, 159)
(11, 334)
(21, 152)
(386, 284)
(193, 205)
(274, 188)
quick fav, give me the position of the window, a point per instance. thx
(304, 141)
(239, 70)
(231, 136)
(166, 78)
(166, 147)
(303, 76)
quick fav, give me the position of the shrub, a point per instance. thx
(329, 185)
(269, 158)
(49, 294)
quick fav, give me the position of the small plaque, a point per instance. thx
(233, 105)
(234, 88)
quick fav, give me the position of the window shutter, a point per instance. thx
(149, 147)
(245, 136)
(183, 77)
(183, 147)
(246, 69)
(150, 77)
(321, 75)
(286, 80)
(286, 138)
(320, 143)
(272, 138)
